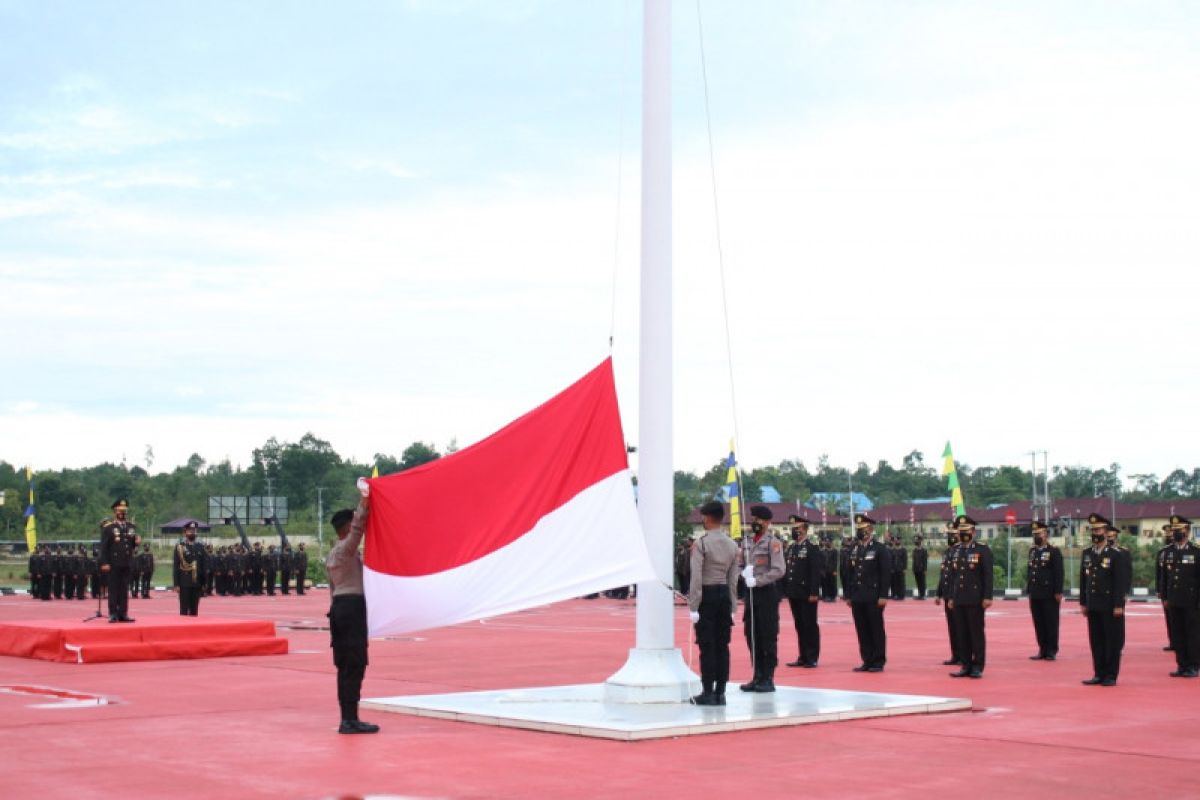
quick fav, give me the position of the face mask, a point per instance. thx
(1039, 539)
(756, 527)
(862, 536)
(965, 538)
(795, 536)
(1179, 536)
(191, 537)
(1097, 538)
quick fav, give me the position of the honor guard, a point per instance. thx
(802, 584)
(1044, 587)
(899, 555)
(1181, 596)
(870, 569)
(1160, 584)
(188, 572)
(56, 571)
(256, 569)
(118, 544)
(920, 564)
(970, 596)
(762, 558)
(942, 593)
(35, 572)
(712, 593)
(271, 569)
(300, 567)
(147, 562)
(285, 568)
(1104, 575)
(70, 570)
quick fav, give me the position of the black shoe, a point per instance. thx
(111, 620)
(797, 663)
(765, 685)
(975, 673)
(752, 686)
(126, 619)
(951, 662)
(717, 699)
(1038, 657)
(1092, 681)
(962, 673)
(1049, 658)
(874, 669)
(1191, 673)
(1109, 682)
(1168, 648)
(861, 668)
(702, 699)
(809, 665)
(357, 726)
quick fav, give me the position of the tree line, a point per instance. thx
(70, 502)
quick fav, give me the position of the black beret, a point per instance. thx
(761, 512)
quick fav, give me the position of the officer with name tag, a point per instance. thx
(870, 574)
(712, 595)
(945, 579)
(970, 596)
(1181, 577)
(188, 572)
(1044, 587)
(805, 563)
(1104, 575)
(118, 545)
(763, 569)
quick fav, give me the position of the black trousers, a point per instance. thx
(872, 638)
(189, 600)
(348, 638)
(713, 632)
(81, 587)
(968, 627)
(829, 586)
(118, 592)
(919, 577)
(270, 583)
(1106, 636)
(1045, 624)
(1185, 636)
(952, 634)
(1170, 632)
(57, 582)
(760, 621)
(146, 578)
(96, 585)
(69, 586)
(808, 632)
(285, 578)
(300, 579)
(899, 589)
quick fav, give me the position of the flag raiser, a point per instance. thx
(540, 511)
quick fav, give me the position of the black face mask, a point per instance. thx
(1097, 538)
(862, 536)
(965, 538)
(1179, 536)
(795, 536)
(756, 527)
(1039, 540)
(191, 537)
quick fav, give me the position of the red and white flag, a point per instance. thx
(540, 511)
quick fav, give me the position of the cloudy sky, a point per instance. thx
(383, 222)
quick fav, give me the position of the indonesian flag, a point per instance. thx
(540, 511)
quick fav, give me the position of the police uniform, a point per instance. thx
(942, 593)
(802, 584)
(1181, 579)
(1160, 584)
(35, 572)
(829, 574)
(969, 596)
(763, 561)
(1044, 587)
(56, 571)
(271, 569)
(870, 570)
(118, 543)
(210, 571)
(188, 572)
(844, 565)
(920, 565)
(300, 564)
(285, 569)
(1104, 576)
(711, 589)
(899, 567)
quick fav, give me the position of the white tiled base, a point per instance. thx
(582, 711)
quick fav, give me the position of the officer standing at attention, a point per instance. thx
(301, 568)
(35, 573)
(763, 569)
(1181, 576)
(348, 612)
(870, 569)
(844, 565)
(118, 544)
(1160, 559)
(271, 569)
(1044, 586)
(147, 562)
(1103, 582)
(945, 580)
(188, 572)
(285, 568)
(899, 556)
(920, 564)
(970, 595)
(712, 587)
(805, 563)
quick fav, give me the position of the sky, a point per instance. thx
(390, 222)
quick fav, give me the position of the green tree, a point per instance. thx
(416, 454)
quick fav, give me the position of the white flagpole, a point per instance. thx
(655, 671)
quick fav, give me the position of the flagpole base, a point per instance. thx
(652, 676)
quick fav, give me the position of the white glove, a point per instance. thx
(364, 488)
(694, 616)
(751, 581)
(747, 572)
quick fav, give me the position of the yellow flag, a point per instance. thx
(375, 471)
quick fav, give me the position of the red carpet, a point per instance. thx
(148, 639)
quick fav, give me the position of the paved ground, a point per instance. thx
(264, 726)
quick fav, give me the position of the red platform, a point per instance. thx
(148, 639)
